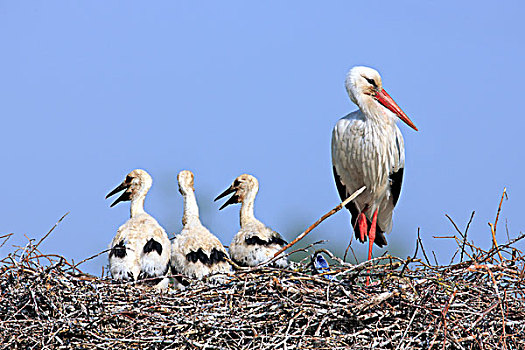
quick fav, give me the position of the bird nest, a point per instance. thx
(474, 303)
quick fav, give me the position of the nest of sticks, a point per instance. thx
(476, 302)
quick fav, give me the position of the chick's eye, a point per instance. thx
(371, 81)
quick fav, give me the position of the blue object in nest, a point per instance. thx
(320, 265)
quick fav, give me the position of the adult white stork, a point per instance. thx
(368, 150)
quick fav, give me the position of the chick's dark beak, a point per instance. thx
(232, 200)
(225, 193)
(125, 196)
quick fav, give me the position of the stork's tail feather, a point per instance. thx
(380, 240)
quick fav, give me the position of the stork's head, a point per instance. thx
(244, 187)
(137, 184)
(365, 88)
(185, 179)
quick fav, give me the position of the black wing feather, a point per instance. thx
(396, 179)
(216, 256)
(118, 250)
(278, 240)
(343, 194)
(255, 240)
(152, 245)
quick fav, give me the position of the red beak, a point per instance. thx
(387, 101)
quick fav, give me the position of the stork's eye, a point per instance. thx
(236, 183)
(371, 81)
(129, 179)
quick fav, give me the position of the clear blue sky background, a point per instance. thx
(90, 90)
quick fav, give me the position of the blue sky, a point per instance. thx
(93, 89)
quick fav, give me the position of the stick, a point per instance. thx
(309, 229)
(409, 259)
(7, 236)
(75, 266)
(422, 248)
(493, 226)
(494, 242)
(48, 233)
(348, 246)
(503, 195)
(465, 236)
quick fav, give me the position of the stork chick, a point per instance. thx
(255, 242)
(195, 252)
(368, 150)
(141, 249)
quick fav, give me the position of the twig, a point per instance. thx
(348, 247)
(422, 248)
(91, 257)
(494, 242)
(435, 259)
(49, 232)
(454, 224)
(409, 259)
(7, 236)
(465, 236)
(503, 195)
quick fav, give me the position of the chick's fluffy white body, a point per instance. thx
(254, 254)
(135, 234)
(141, 248)
(196, 252)
(254, 243)
(193, 237)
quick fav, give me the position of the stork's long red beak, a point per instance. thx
(384, 98)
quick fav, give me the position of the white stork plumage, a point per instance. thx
(141, 249)
(368, 150)
(195, 251)
(255, 242)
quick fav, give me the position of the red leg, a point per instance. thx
(371, 239)
(363, 226)
(372, 235)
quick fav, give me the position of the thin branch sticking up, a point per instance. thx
(465, 236)
(494, 226)
(49, 232)
(503, 195)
